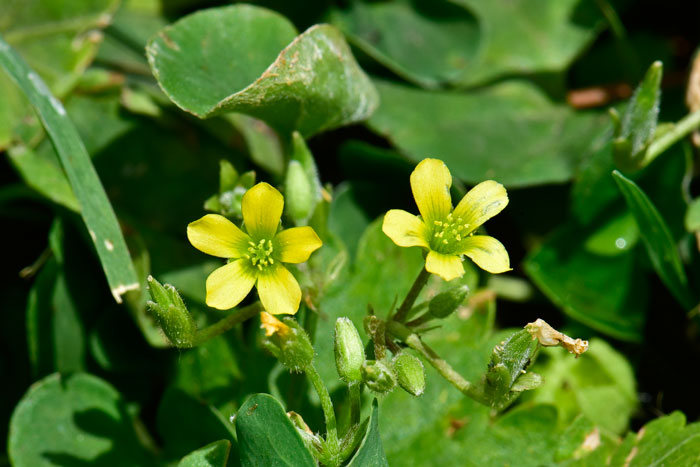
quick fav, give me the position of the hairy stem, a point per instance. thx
(404, 334)
(681, 129)
(223, 325)
(328, 412)
(412, 295)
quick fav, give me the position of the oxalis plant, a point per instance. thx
(256, 255)
(264, 320)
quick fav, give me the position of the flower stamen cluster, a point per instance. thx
(448, 233)
(260, 253)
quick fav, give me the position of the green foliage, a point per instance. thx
(96, 209)
(267, 437)
(306, 70)
(657, 239)
(370, 453)
(212, 455)
(126, 120)
(83, 420)
(544, 143)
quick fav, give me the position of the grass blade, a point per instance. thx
(96, 210)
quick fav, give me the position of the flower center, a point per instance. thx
(447, 234)
(260, 254)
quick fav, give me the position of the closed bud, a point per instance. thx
(378, 376)
(228, 176)
(410, 374)
(445, 303)
(172, 314)
(349, 351)
(299, 196)
(287, 341)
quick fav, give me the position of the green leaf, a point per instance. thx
(185, 423)
(638, 123)
(370, 452)
(97, 212)
(600, 385)
(212, 455)
(74, 420)
(658, 240)
(604, 292)
(57, 41)
(267, 437)
(664, 441)
(509, 132)
(310, 83)
(428, 43)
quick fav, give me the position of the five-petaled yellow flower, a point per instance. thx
(255, 257)
(448, 234)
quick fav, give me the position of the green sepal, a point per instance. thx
(292, 347)
(378, 376)
(172, 314)
(503, 381)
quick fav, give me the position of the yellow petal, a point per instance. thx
(487, 252)
(446, 266)
(295, 245)
(481, 203)
(215, 235)
(279, 291)
(229, 285)
(272, 325)
(262, 209)
(405, 229)
(430, 182)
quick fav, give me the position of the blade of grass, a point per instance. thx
(96, 210)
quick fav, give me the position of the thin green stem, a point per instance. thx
(680, 130)
(403, 333)
(223, 325)
(412, 295)
(422, 319)
(355, 401)
(326, 406)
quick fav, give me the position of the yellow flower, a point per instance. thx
(448, 234)
(255, 257)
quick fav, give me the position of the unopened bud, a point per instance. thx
(287, 341)
(228, 176)
(410, 373)
(349, 351)
(445, 303)
(299, 195)
(378, 376)
(172, 314)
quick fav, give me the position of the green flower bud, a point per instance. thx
(445, 303)
(172, 314)
(299, 196)
(349, 351)
(410, 374)
(228, 176)
(288, 342)
(378, 376)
